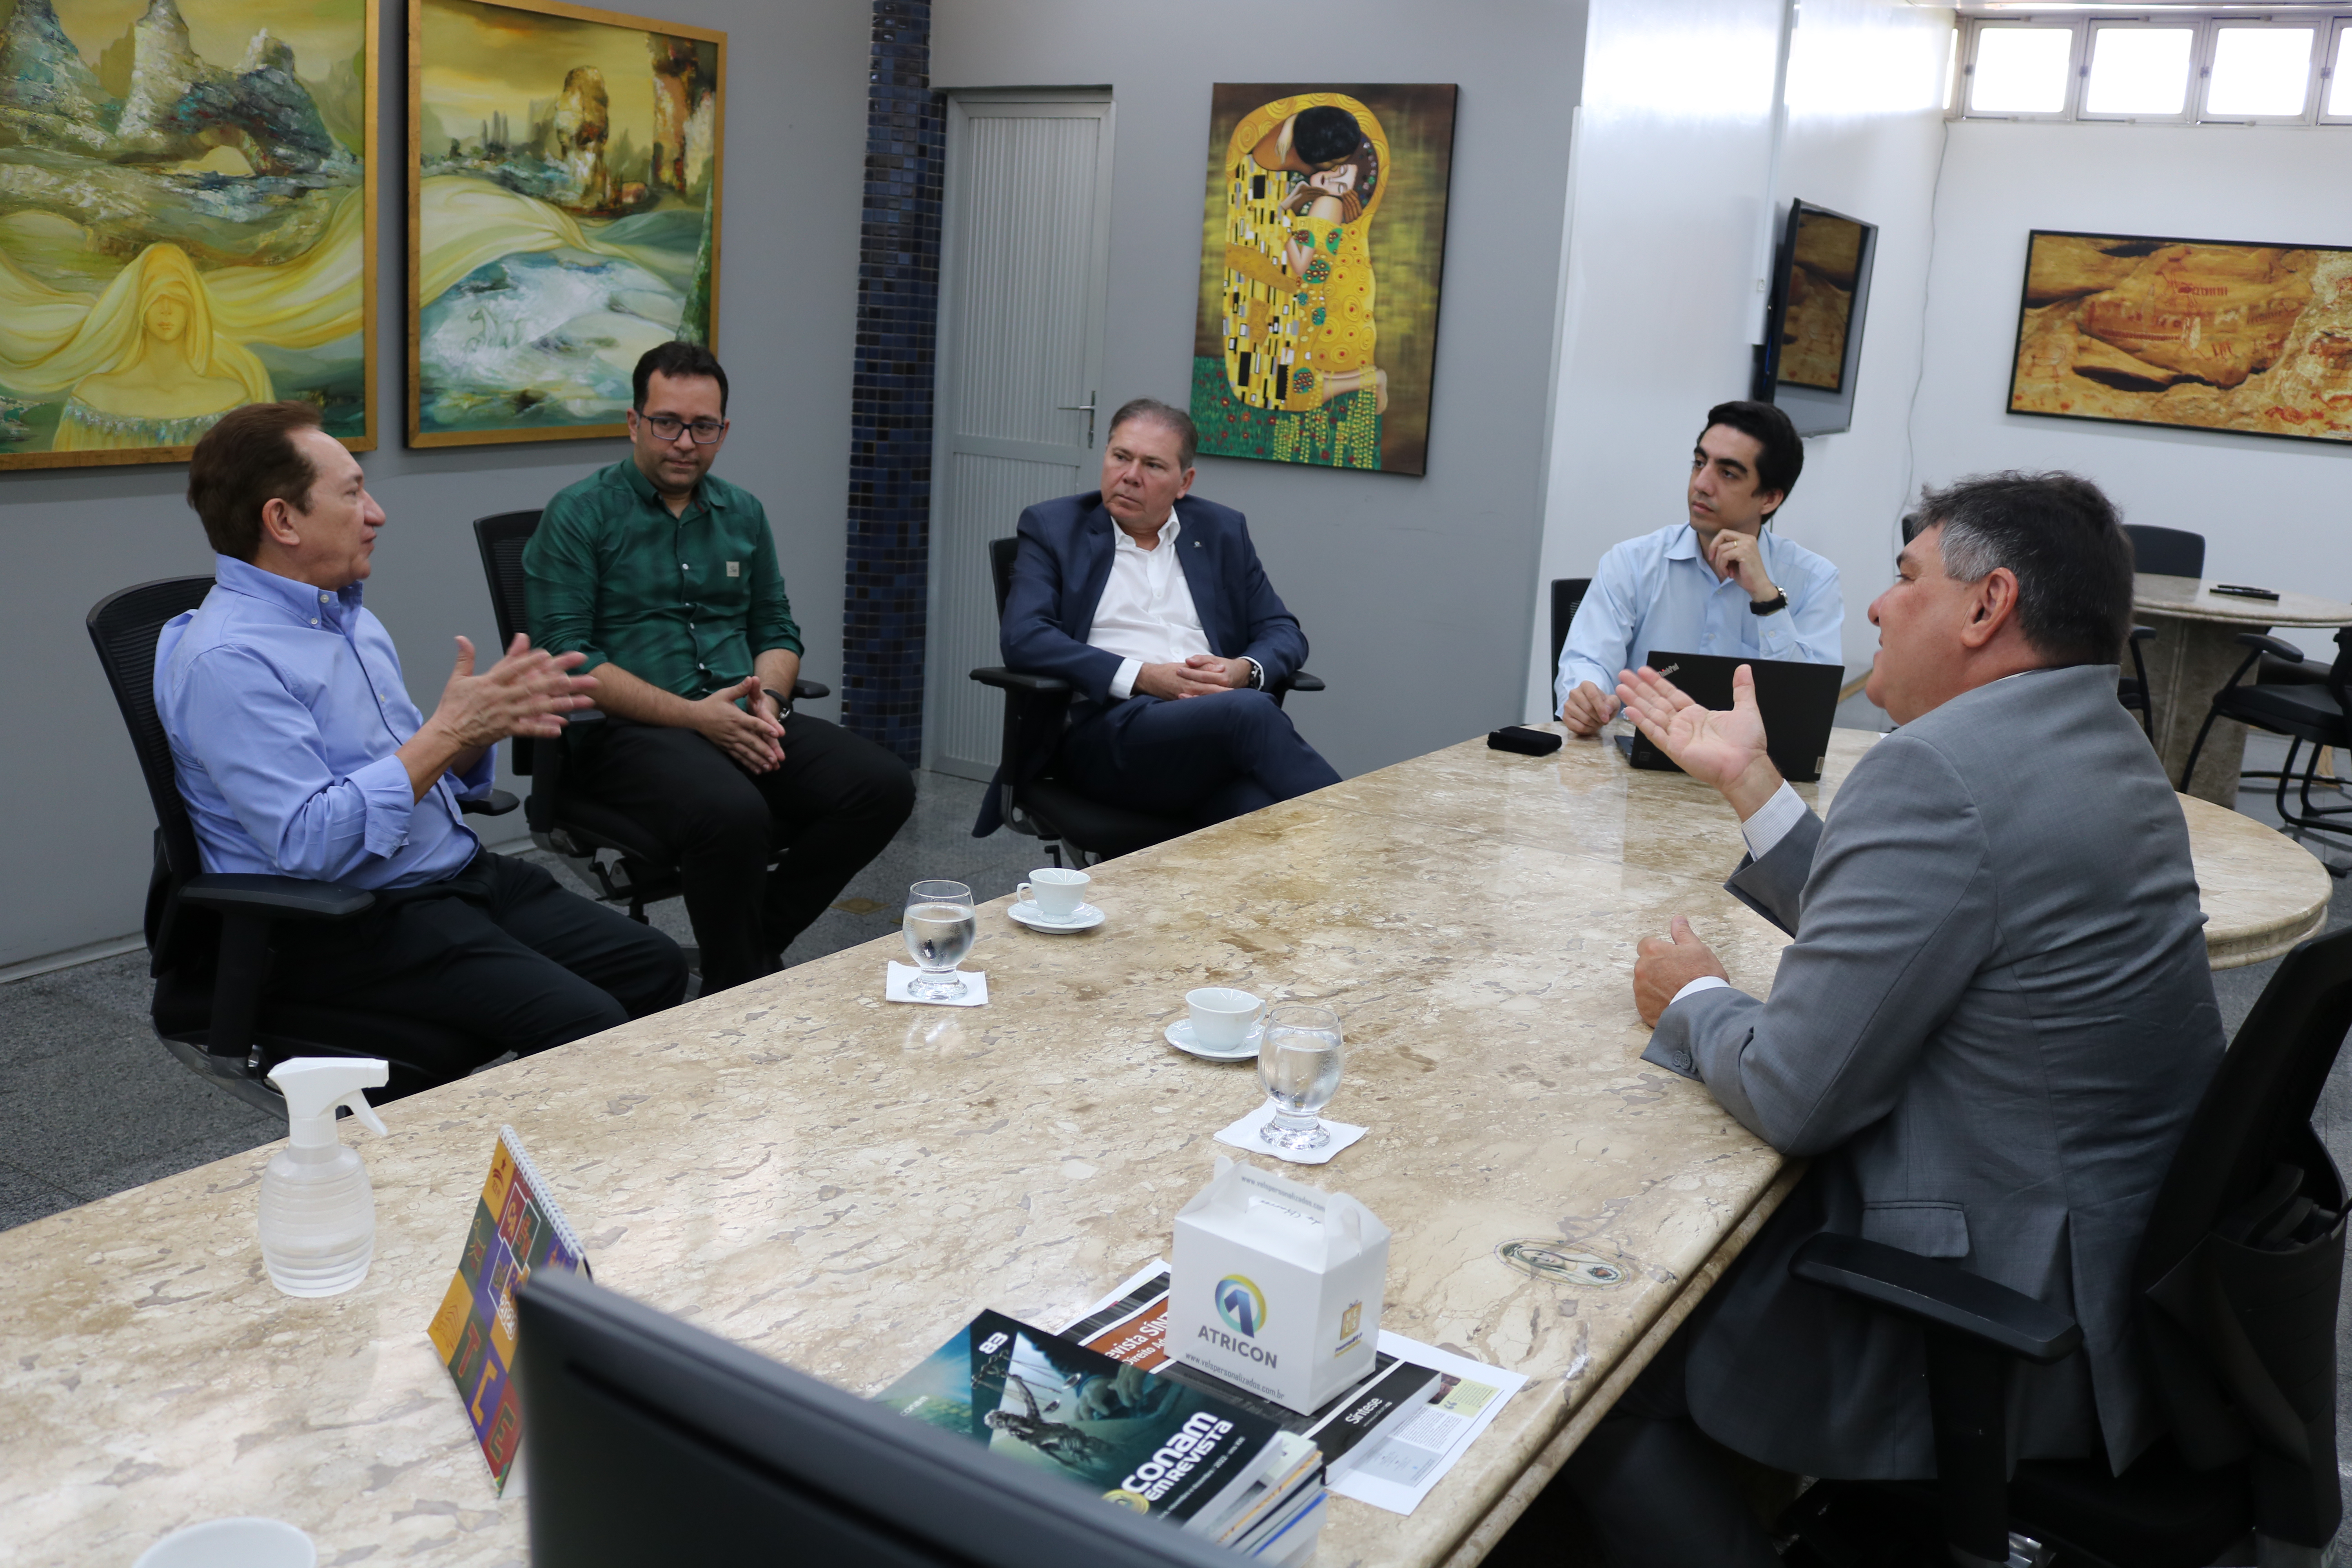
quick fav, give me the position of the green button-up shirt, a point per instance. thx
(686, 602)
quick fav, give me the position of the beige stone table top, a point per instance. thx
(2192, 600)
(2262, 893)
(839, 1182)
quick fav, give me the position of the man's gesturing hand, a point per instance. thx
(753, 739)
(1725, 749)
(1198, 675)
(1664, 964)
(1587, 709)
(525, 693)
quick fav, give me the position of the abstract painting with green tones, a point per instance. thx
(565, 200)
(1322, 252)
(185, 221)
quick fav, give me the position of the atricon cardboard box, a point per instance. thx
(1275, 1286)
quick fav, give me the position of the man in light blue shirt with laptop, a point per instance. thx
(1720, 583)
(299, 754)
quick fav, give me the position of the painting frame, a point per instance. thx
(2281, 373)
(1315, 328)
(414, 393)
(369, 132)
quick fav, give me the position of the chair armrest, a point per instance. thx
(1015, 680)
(498, 803)
(580, 718)
(295, 898)
(810, 690)
(1301, 681)
(1939, 1293)
(2141, 634)
(2285, 650)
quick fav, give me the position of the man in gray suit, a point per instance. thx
(1989, 1034)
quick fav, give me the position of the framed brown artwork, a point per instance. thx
(187, 208)
(1322, 255)
(563, 212)
(2204, 334)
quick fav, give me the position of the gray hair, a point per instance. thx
(1168, 417)
(2062, 540)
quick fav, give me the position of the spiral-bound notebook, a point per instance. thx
(516, 1229)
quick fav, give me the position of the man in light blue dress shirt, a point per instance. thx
(1719, 583)
(299, 754)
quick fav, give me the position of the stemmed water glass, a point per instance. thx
(1299, 1063)
(939, 927)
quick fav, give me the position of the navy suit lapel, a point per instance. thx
(1194, 554)
(1090, 569)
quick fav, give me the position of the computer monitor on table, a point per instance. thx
(647, 1441)
(1799, 702)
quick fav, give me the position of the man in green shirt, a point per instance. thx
(665, 578)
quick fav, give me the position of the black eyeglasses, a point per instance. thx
(706, 432)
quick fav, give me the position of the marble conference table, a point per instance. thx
(840, 1182)
(2190, 658)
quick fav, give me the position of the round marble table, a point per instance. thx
(2262, 893)
(2190, 658)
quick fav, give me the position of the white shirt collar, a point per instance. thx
(1169, 531)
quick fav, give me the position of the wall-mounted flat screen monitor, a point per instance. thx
(1812, 331)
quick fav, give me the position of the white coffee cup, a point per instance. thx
(1222, 1017)
(232, 1544)
(1057, 890)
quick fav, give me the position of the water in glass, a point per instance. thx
(1299, 1063)
(939, 927)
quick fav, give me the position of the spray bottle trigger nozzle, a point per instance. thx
(359, 1106)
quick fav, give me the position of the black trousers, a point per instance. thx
(830, 807)
(1203, 759)
(1656, 1490)
(499, 952)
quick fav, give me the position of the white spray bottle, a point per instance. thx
(318, 1212)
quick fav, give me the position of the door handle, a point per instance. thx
(1086, 408)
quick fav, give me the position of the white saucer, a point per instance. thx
(1086, 916)
(1180, 1035)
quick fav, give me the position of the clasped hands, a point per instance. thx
(1200, 676)
(752, 734)
(1724, 748)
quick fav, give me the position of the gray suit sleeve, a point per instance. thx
(1896, 919)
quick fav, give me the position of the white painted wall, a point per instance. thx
(74, 817)
(1412, 592)
(2273, 512)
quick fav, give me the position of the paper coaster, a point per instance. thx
(976, 988)
(1243, 1134)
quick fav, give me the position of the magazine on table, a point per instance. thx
(1146, 1443)
(1388, 1441)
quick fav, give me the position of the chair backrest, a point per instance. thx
(1000, 554)
(123, 627)
(501, 538)
(2167, 552)
(1567, 593)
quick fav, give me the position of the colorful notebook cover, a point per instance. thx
(1139, 1441)
(516, 1229)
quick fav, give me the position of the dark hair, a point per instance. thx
(676, 360)
(245, 462)
(1325, 134)
(2062, 537)
(1783, 458)
(1167, 416)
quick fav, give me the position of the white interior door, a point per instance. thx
(1024, 263)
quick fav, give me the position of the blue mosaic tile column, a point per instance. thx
(891, 397)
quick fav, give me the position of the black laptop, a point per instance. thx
(1799, 702)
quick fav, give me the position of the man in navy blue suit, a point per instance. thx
(1152, 603)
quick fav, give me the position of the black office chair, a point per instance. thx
(2308, 712)
(1567, 594)
(2238, 1274)
(2166, 552)
(566, 821)
(1037, 804)
(2176, 553)
(208, 934)
(2132, 689)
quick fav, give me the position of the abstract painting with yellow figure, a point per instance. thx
(563, 212)
(2210, 335)
(184, 201)
(1322, 250)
